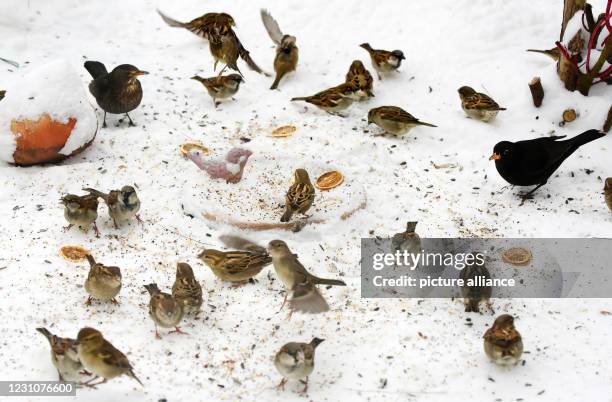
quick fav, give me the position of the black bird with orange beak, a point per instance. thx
(532, 162)
(117, 92)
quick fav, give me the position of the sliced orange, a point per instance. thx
(74, 253)
(329, 180)
(517, 256)
(284, 131)
(189, 146)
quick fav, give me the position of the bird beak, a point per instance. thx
(137, 73)
(495, 157)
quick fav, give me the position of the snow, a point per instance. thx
(372, 349)
(54, 88)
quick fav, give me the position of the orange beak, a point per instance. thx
(137, 73)
(495, 157)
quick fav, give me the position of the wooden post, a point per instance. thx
(537, 92)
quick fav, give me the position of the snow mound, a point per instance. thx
(55, 89)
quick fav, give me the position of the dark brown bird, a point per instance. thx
(608, 192)
(384, 61)
(64, 356)
(361, 78)
(473, 295)
(286, 51)
(223, 42)
(186, 289)
(117, 92)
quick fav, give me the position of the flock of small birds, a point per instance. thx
(524, 163)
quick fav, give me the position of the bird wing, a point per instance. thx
(482, 102)
(241, 243)
(113, 356)
(307, 299)
(300, 194)
(397, 114)
(271, 26)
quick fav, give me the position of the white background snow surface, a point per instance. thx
(376, 350)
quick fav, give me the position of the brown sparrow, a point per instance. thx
(362, 79)
(300, 283)
(81, 211)
(224, 45)
(164, 310)
(235, 266)
(502, 342)
(103, 282)
(64, 356)
(407, 241)
(286, 50)
(473, 295)
(186, 289)
(608, 192)
(101, 358)
(332, 100)
(295, 361)
(221, 87)
(123, 204)
(478, 106)
(300, 196)
(384, 61)
(394, 120)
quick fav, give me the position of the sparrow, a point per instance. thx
(64, 356)
(394, 120)
(230, 169)
(224, 44)
(117, 92)
(360, 77)
(221, 87)
(532, 162)
(123, 204)
(295, 361)
(332, 100)
(502, 342)
(608, 192)
(81, 210)
(473, 295)
(164, 310)
(101, 358)
(298, 282)
(552, 53)
(384, 61)
(235, 266)
(300, 195)
(103, 282)
(407, 241)
(186, 289)
(205, 26)
(286, 57)
(478, 106)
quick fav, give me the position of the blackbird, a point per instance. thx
(116, 92)
(532, 162)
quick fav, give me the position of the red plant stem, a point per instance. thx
(598, 26)
(608, 17)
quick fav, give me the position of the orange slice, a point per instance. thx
(517, 256)
(74, 253)
(329, 180)
(189, 146)
(284, 131)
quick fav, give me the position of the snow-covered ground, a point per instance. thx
(376, 350)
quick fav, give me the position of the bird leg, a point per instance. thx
(114, 301)
(283, 305)
(529, 195)
(104, 123)
(157, 335)
(305, 385)
(87, 384)
(88, 301)
(115, 223)
(67, 228)
(216, 103)
(223, 69)
(281, 385)
(178, 331)
(215, 65)
(131, 124)
(139, 220)
(96, 229)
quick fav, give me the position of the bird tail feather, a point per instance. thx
(299, 98)
(95, 68)
(586, 137)
(171, 21)
(45, 333)
(422, 123)
(366, 46)
(332, 282)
